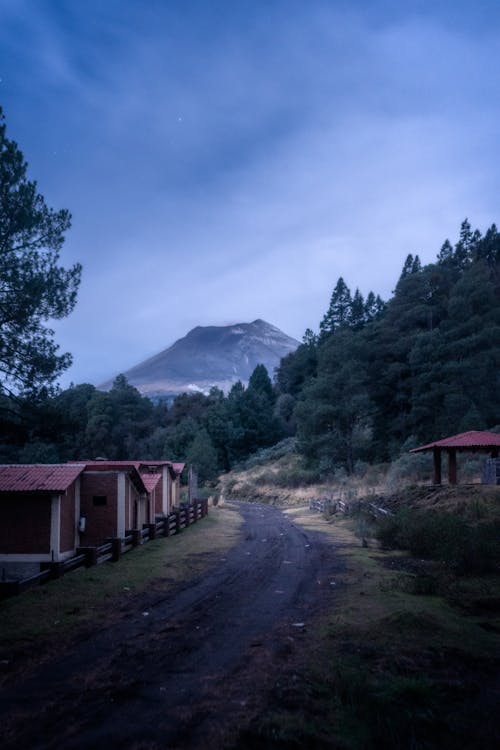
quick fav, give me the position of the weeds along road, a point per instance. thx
(186, 670)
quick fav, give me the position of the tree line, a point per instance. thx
(377, 377)
(423, 365)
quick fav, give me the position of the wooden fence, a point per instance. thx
(112, 549)
(329, 505)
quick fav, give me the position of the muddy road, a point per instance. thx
(187, 670)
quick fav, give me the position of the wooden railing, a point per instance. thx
(329, 505)
(113, 548)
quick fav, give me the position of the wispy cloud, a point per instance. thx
(229, 161)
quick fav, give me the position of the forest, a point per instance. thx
(377, 378)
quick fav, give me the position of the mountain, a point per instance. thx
(210, 356)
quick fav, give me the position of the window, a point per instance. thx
(99, 500)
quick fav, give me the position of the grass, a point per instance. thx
(390, 666)
(59, 610)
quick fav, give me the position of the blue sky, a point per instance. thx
(226, 161)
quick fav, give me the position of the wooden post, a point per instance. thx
(186, 511)
(452, 466)
(152, 530)
(166, 530)
(177, 521)
(136, 537)
(437, 465)
(90, 555)
(116, 548)
(56, 570)
(195, 510)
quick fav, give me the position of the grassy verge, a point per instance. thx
(390, 667)
(48, 616)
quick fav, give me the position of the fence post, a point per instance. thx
(136, 537)
(116, 548)
(90, 555)
(177, 521)
(186, 512)
(166, 530)
(152, 530)
(195, 510)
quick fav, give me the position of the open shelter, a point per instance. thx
(472, 441)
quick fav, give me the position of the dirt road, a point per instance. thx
(189, 669)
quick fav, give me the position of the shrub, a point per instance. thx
(445, 537)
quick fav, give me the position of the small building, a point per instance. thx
(39, 516)
(47, 511)
(159, 488)
(113, 500)
(473, 441)
(166, 491)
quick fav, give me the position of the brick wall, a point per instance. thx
(25, 524)
(101, 519)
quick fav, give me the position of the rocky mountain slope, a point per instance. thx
(210, 356)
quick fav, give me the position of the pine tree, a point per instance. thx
(339, 311)
(34, 288)
(358, 310)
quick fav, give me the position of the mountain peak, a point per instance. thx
(209, 356)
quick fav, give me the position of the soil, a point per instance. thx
(189, 669)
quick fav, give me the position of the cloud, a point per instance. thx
(230, 161)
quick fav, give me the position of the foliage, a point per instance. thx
(378, 378)
(424, 365)
(211, 432)
(33, 286)
(446, 537)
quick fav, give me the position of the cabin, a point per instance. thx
(47, 511)
(152, 490)
(166, 490)
(39, 516)
(113, 500)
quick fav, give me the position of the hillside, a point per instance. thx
(210, 356)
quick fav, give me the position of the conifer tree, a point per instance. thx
(34, 287)
(339, 311)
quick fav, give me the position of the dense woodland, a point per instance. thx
(377, 378)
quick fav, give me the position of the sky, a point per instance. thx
(227, 160)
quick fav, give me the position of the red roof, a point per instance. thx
(150, 481)
(113, 465)
(465, 440)
(38, 477)
(105, 465)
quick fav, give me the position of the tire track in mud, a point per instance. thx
(176, 673)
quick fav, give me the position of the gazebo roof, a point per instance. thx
(472, 440)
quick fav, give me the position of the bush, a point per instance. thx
(445, 537)
(284, 448)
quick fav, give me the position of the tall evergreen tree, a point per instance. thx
(339, 311)
(358, 310)
(34, 287)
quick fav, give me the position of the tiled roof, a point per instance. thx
(464, 440)
(178, 468)
(38, 477)
(150, 481)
